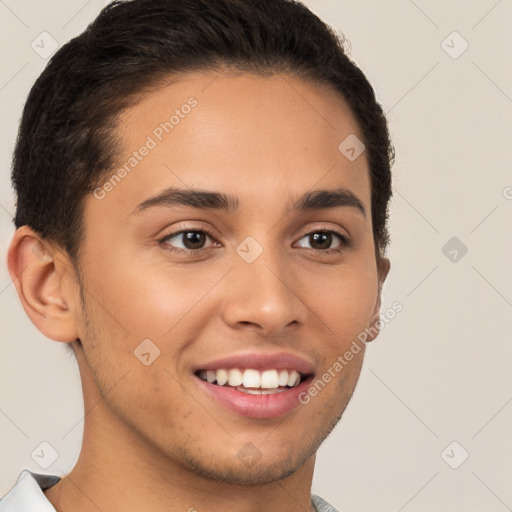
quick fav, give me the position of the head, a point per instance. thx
(252, 101)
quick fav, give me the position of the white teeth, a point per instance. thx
(259, 391)
(235, 377)
(222, 377)
(260, 381)
(251, 379)
(283, 378)
(293, 378)
(269, 379)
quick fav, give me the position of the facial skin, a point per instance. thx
(152, 432)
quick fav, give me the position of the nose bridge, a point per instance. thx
(261, 290)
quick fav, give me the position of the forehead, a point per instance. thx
(252, 136)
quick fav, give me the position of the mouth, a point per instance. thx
(252, 381)
(256, 385)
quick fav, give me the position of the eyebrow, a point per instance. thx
(205, 199)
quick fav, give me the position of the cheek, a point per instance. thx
(142, 301)
(345, 302)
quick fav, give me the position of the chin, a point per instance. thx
(242, 474)
(269, 465)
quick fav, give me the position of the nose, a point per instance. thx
(264, 296)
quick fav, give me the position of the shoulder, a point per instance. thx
(320, 504)
(27, 493)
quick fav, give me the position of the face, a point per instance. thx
(207, 319)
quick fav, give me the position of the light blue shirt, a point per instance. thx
(27, 495)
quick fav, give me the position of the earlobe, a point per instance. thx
(37, 269)
(382, 269)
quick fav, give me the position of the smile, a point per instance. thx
(252, 381)
(255, 385)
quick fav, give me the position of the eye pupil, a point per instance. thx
(193, 239)
(322, 238)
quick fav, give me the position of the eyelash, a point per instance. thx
(344, 241)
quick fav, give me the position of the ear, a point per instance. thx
(45, 280)
(383, 266)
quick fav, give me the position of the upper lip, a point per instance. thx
(260, 361)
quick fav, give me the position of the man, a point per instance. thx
(202, 193)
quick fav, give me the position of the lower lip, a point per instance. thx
(256, 406)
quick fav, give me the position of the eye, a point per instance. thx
(192, 240)
(321, 240)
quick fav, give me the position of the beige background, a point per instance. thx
(440, 371)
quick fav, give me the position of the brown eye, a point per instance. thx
(191, 240)
(322, 240)
(194, 239)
